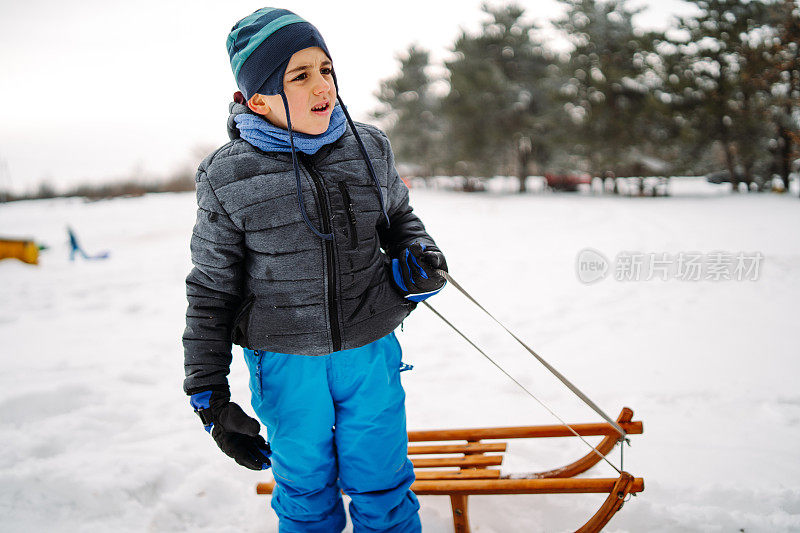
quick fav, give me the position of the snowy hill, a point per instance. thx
(98, 436)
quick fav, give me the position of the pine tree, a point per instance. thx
(411, 111)
(498, 97)
(721, 74)
(607, 91)
(783, 77)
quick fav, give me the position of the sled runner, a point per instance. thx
(464, 468)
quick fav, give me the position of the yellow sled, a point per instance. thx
(25, 251)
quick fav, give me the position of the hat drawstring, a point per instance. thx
(329, 236)
(366, 159)
(326, 236)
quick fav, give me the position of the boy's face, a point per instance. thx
(310, 91)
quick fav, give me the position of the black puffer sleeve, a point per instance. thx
(214, 291)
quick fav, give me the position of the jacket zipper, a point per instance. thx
(336, 335)
(351, 215)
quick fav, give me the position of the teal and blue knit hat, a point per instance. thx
(261, 44)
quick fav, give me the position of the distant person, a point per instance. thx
(307, 254)
(75, 248)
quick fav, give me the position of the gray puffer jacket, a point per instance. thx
(263, 280)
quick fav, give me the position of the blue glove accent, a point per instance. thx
(421, 270)
(410, 280)
(201, 401)
(396, 274)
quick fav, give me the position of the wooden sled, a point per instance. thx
(470, 463)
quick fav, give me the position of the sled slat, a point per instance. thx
(471, 473)
(457, 448)
(467, 461)
(520, 486)
(523, 432)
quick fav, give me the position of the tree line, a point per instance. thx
(717, 92)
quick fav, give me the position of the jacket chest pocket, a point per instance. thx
(350, 213)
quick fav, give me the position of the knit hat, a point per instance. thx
(261, 44)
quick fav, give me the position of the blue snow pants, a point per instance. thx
(337, 422)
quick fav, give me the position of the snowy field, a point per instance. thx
(97, 435)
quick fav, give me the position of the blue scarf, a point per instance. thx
(270, 138)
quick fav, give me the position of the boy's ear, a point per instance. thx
(258, 104)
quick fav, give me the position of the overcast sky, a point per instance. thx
(100, 90)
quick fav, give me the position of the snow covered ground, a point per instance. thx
(97, 436)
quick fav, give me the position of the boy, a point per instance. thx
(308, 255)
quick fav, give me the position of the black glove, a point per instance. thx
(235, 433)
(414, 272)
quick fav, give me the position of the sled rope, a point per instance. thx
(603, 457)
(547, 365)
